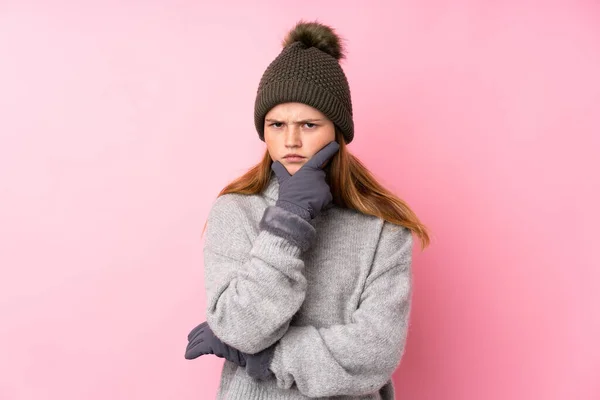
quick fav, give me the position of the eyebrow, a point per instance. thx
(304, 120)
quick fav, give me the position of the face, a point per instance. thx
(294, 132)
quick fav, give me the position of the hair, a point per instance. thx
(352, 186)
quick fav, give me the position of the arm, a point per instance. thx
(253, 288)
(359, 357)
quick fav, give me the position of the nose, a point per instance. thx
(292, 137)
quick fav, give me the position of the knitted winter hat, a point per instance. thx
(308, 71)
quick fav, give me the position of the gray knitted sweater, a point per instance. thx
(336, 308)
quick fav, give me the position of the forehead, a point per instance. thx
(294, 110)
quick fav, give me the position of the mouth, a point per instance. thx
(294, 158)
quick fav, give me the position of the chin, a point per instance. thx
(292, 169)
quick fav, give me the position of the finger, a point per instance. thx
(194, 352)
(189, 355)
(195, 342)
(323, 155)
(280, 171)
(195, 349)
(194, 331)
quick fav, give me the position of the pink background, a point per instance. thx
(121, 121)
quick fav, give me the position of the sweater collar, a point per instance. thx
(272, 189)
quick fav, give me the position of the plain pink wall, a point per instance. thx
(121, 121)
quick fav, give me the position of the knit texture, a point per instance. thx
(336, 312)
(309, 76)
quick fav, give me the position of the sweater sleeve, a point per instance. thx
(359, 357)
(253, 287)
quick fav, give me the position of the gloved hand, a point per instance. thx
(306, 192)
(202, 340)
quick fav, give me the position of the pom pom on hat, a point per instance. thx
(315, 34)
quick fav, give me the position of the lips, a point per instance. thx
(294, 158)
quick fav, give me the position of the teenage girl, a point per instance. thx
(307, 257)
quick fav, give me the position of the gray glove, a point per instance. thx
(306, 192)
(202, 341)
(301, 197)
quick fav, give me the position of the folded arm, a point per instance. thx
(253, 287)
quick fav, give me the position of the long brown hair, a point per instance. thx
(352, 186)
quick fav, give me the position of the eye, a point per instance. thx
(311, 125)
(276, 124)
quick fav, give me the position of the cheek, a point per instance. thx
(319, 141)
(328, 134)
(272, 153)
(272, 147)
